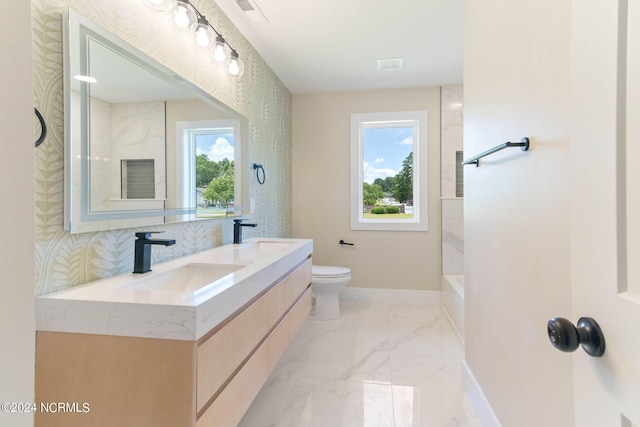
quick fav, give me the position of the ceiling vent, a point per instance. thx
(253, 12)
(391, 64)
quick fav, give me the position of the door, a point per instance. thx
(606, 207)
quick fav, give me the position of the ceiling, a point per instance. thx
(335, 45)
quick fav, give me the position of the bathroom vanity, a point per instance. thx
(189, 344)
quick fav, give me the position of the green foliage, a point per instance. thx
(220, 190)
(207, 170)
(403, 181)
(386, 184)
(217, 177)
(371, 193)
(378, 210)
(226, 166)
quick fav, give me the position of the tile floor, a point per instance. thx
(378, 365)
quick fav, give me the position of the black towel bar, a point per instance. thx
(475, 160)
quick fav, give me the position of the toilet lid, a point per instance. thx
(329, 271)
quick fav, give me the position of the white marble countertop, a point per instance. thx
(112, 307)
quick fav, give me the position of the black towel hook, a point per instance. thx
(43, 126)
(259, 168)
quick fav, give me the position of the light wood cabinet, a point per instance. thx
(227, 409)
(222, 352)
(160, 382)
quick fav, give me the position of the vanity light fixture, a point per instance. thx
(187, 18)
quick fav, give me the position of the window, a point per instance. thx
(210, 153)
(389, 171)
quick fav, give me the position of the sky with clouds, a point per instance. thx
(216, 146)
(384, 150)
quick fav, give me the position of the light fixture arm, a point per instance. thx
(218, 34)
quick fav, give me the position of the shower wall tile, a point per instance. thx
(452, 208)
(64, 260)
(453, 236)
(451, 137)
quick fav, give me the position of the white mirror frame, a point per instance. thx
(78, 217)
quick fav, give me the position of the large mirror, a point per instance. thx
(143, 146)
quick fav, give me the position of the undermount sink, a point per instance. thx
(188, 278)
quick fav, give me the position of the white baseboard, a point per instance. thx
(478, 399)
(393, 296)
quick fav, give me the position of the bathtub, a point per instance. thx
(452, 300)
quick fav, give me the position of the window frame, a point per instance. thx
(419, 121)
(186, 132)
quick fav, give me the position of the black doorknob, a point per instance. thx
(566, 337)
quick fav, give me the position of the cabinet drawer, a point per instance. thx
(221, 354)
(300, 279)
(281, 338)
(232, 403)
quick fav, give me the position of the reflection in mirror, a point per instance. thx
(207, 151)
(215, 153)
(143, 145)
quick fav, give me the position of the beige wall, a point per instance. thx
(64, 260)
(517, 273)
(321, 190)
(17, 335)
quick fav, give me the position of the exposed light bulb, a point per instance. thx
(202, 32)
(218, 51)
(202, 39)
(236, 68)
(181, 18)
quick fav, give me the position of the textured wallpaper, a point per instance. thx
(64, 260)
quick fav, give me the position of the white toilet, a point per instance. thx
(326, 282)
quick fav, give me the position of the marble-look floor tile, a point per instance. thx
(357, 349)
(377, 365)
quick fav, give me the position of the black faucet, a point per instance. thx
(142, 258)
(237, 229)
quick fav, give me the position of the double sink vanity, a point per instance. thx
(191, 342)
(187, 344)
